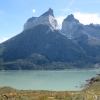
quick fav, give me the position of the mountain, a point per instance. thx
(79, 33)
(41, 41)
(41, 45)
(93, 30)
(87, 36)
(47, 17)
(69, 25)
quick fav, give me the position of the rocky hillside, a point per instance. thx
(70, 25)
(41, 45)
(87, 36)
(49, 45)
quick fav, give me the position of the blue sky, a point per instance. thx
(14, 13)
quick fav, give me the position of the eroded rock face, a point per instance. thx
(69, 25)
(47, 18)
(30, 23)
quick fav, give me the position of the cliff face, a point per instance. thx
(30, 23)
(69, 25)
(47, 18)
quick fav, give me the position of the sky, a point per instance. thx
(14, 13)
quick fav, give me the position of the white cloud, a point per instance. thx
(3, 39)
(33, 10)
(87, 18)
(60, 19)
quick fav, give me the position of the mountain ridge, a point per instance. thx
(42, 45)
(47, 18)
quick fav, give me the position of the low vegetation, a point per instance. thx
(39, 63)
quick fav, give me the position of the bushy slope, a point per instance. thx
(51, 45)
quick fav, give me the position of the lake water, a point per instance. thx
(61, 80)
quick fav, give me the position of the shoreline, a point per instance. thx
(92, 92)
(76, 87)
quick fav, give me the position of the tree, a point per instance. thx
(1, 63)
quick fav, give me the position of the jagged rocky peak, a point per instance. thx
(71, 18)
(46, 18)
(31, 19)
(49, 12)
(69, 25)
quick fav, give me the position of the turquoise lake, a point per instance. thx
(60, 80)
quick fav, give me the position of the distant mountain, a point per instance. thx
(70, 18)
(93, 30)
(70, 25)
(87, 36)
(47, 17)
(41, 40)
(41, 45)
(79, 32)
